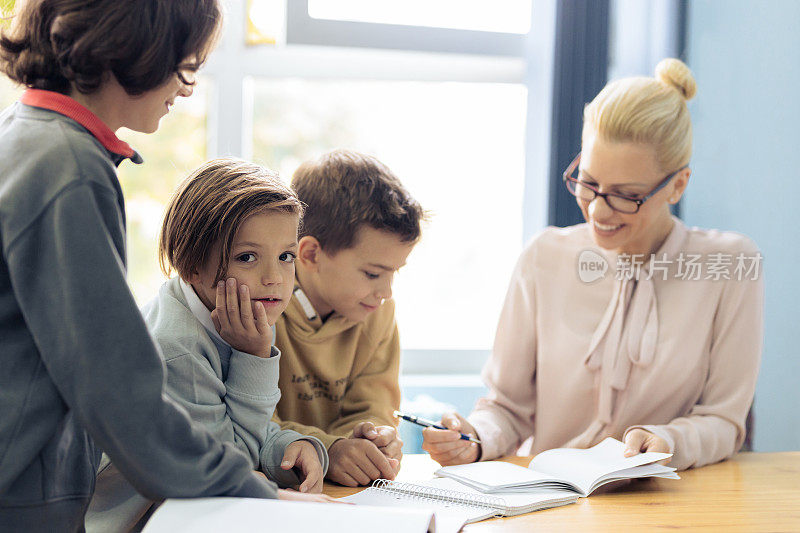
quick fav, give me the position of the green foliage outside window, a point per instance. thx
(177, 148)
(6, 8)
(170, 154)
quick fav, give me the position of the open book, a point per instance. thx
(455, 504)
(211, 515)
(581, 471)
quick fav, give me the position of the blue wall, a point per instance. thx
(746, 174)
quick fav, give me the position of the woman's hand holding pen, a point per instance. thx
(446, 446)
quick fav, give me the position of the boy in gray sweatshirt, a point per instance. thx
(81, 373)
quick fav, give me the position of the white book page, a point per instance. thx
(450, 517)
(490, 476)
(212, 515)
(651, 470)
(585, 467)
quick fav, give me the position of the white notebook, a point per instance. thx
(455, 504)
(212, 515)
(581, 471)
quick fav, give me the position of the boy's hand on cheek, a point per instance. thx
(302, 454)
(241, 322)
(357, 461)
(384, 437)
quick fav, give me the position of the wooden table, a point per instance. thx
(750, 492)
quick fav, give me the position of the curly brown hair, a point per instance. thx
(56, 45)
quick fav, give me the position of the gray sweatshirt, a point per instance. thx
(80, 372)
(233, 394)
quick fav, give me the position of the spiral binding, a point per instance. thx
(417, 492)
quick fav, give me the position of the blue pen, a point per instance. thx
(428, 424)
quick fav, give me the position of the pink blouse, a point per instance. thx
(674, 350)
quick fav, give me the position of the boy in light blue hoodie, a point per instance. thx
(230, 232)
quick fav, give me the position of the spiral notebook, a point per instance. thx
(454, 504)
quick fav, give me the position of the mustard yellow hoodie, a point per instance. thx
(336, 374)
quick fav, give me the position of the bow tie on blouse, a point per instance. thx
(626, 336)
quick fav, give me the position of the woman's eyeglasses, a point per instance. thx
(618, 202)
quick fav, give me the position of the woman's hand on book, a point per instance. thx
(639, 440)
(446, 446)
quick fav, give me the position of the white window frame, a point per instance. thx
(319, 49)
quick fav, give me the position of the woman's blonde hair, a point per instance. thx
(649, 111)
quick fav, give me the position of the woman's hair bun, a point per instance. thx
(675, 73)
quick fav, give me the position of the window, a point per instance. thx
(457, 147)
(508, 16)
(460, 111)
(170, 154)
(178, 147)
(453, 95)
(9, 92)
(265, 22)
(452, 126)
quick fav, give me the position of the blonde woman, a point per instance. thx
(631, 325)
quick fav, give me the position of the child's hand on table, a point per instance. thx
(356, 461)
(303, 454)
(384, 437)
(291, 494)
(241, 322)
(446, 446)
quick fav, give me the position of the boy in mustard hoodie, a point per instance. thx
(341, 353)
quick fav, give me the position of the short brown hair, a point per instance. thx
(56, 43)
(210, 207)
(343, 190)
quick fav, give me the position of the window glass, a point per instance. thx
(178, 147)
(266, 22)
(170, 154)
(458, 147)
(506, 16)
(9, 92)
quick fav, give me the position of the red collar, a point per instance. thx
(63, 104)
